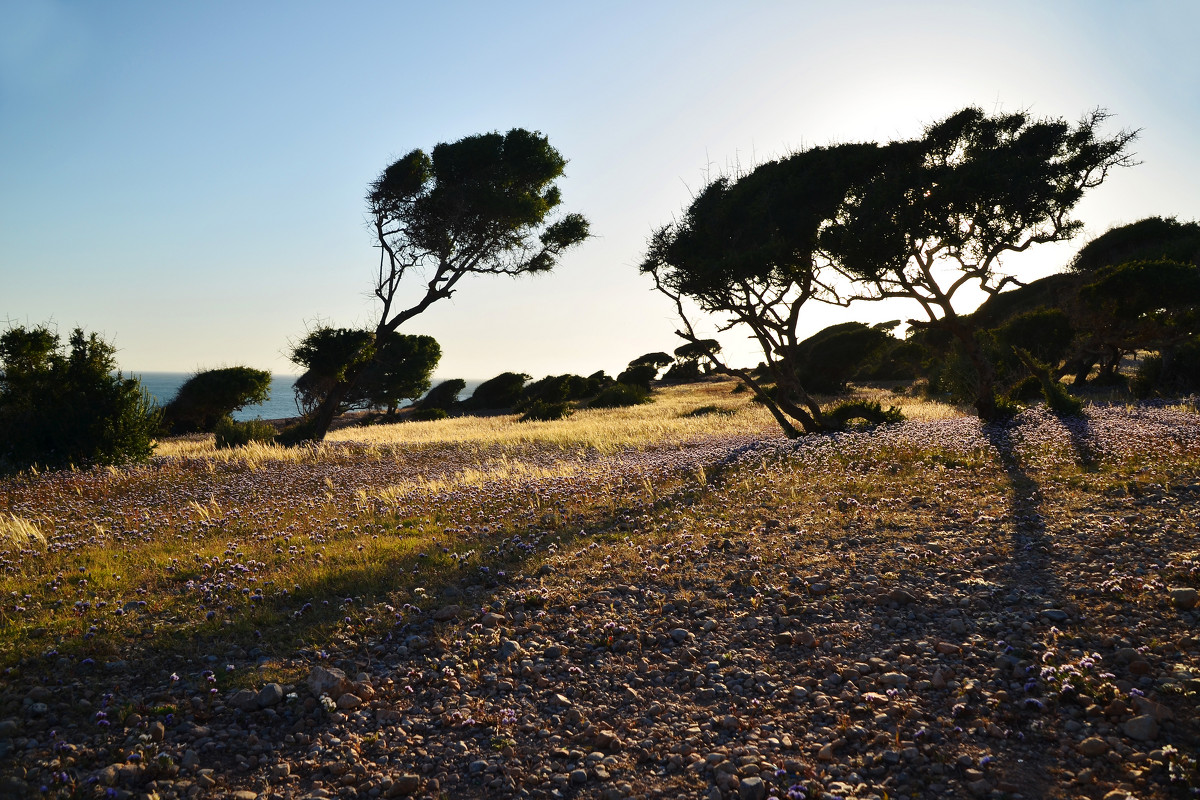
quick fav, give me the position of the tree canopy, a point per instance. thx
(386, 376)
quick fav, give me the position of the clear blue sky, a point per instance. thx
(187, 178)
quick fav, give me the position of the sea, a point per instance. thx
(281, 404)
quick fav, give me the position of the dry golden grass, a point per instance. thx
(20, 533)
(662, 423)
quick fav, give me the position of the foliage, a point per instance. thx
(870, 411)
(972, 189)
(620, 395)
(638, 376)
(502, 391)
(554, 389)
(387, 376)
(230, 433)
(1176, 372)
(444, 396)
(482, 205)
(747, 249)
(209, 396)
(60, 407)
(1149, 239)
(656, 360)
(541, 411)
(826, 360)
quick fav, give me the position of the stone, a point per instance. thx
(281, 770)
(245, 699)
(825, 753)
(349, 701)
(509, 649)
(476, 767)
(579, 776)
(190, 760)
(492, 619)
(752, 788)
(897, 680)
(9, 728)
(244, 794)
(1055, 614)
(270, 695)
(404, 785)
(1143, 728)
(679, 635)
(328, 681)
(1184, 597)
(447, 612)
(1142, 705)
(1092, 746)
(157, 731)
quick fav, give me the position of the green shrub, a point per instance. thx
(541, 411)
(873, 413)
(638, 375)
(444, 396)
(208, 397)
(502, 391)
(427, 414)
(620, 395)
(69, 407)
(231, 433)
(705, 411)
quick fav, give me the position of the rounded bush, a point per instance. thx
(620, 395)
(231, 434)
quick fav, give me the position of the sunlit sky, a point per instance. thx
(188, 179)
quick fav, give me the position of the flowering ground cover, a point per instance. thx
(635, 603)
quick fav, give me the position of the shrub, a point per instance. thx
(59, 408)
(873, 413)
(208, 397)
(444, 396)
(541, 411)
(502, 391)
(554, 389)
(427, 414)
(638, 375)
(620, 395)
(705, 411)
(231, 433)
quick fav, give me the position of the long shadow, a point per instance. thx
(1079, 429)
(1027, 573)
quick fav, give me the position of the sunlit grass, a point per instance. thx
(18, 533)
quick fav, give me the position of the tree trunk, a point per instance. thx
(985, 374)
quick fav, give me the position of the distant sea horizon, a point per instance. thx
(163, 386)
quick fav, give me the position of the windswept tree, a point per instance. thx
(953, 203)
(480, 206)
(746, 250)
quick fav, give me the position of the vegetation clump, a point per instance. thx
(209, 396)
(230, 433)
(69, 406)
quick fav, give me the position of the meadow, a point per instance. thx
(663, 600)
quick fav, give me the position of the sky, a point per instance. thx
(187, 179)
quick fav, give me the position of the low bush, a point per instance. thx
(541, 411)
(209, 396)
(871, 412)
(705, 411)
(231, 433)
(620, 395)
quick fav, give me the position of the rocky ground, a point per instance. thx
(1011, 614)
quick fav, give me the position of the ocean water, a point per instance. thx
(280, 405)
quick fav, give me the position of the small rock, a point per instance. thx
(679, 635)
(270, 695)
(825, 753)
(1184, 597)
(157, 731)
(579, 776)
(1055, 614)
(349, 701)
(280, 770)
(1092, 746)
(9, 728)
(330, 681)
(509, 649)
(244, 794)
(1142, 728)
(447, 612)
(108, 776)
(404, 785)
(896, 680)
(245, 699)
(752, 788)
(1142, 705)
(492, 619)
(476, 767)
(190, 760)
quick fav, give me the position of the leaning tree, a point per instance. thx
(746, 250)
(480, 206)
(953, 203)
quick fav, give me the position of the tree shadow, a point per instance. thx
(1027, 572)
